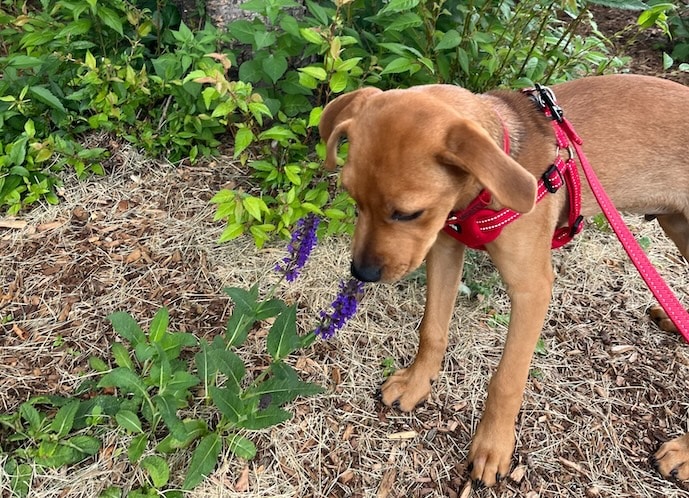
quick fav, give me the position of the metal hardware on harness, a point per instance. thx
(477, 225)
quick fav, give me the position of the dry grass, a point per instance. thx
(607, 390)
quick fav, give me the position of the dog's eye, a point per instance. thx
(398, 216)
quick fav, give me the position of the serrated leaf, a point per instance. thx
(237, 327)
(128, 420)
(157, 469)
(282, 337)
(203, 460)
(159, 325)
(126, 327)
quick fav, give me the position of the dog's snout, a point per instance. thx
(366, 273)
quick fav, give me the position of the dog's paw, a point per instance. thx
(672, 459)
(405, 390)
(490, 455)
(661, 319)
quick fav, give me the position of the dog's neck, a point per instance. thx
(504, 120)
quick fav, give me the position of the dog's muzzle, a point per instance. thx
(366, 273)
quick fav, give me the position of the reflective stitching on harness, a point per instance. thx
(478, 225)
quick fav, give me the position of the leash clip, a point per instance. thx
(546, 99)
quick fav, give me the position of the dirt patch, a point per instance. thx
(604, 393)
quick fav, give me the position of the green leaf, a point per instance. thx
(157, 469)
(203, 460)
(231, 232)
(230, 365)
(20, 479)
(242, 139)
(64, 419)
(263, 39)
(268, 417)
(315, 72)
(274, 67)
(167, 406)
(128, 420)
(47, 97)
(137, 447)
(126, 327)
(268, 309)
(31, 415)
(110, 19)
(450, 39)
(194, 430)
(254, 206)
(238, 327)
(229, 403)
(159, 325)
(121, 356)
(124, 379)
(394, 6)
(398, 65)
(244, 300)
(284, 386)
(282, 337)
(88, 445)
(241, 446)
(338, 82)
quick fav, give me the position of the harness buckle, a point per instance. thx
(549, 177)
(546, 98)
(576, 226)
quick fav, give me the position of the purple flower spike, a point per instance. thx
(343, 307)
(300, 247)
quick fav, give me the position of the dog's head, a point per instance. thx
(414, 157)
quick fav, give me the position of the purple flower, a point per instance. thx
(300, 247)
(343, 307)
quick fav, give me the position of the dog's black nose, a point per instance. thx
(366, 273)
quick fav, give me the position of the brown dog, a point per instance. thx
(415, 155)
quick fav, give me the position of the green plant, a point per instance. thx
(165, 400)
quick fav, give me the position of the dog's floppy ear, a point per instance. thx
(469, 147)
(336, 118)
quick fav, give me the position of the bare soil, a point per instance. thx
(607, 389)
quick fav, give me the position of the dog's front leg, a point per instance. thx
(528, 275)
(409, 386)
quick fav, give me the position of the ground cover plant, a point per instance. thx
(147, 404)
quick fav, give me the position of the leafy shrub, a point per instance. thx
(136, 71)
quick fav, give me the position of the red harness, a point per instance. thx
(477, 225)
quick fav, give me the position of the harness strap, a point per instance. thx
(476, 225)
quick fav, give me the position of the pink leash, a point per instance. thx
(667, 299)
